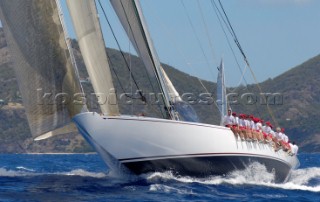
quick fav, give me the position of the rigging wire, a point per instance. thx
(118, 78)
(142, 97)
(168, 32)
(221, 18)
(210, 43)
(131, 77)
(159, 79)
(198, 40)
(127, 65)
(199, 43)
(217, 12)
(206, 29)
(246, 60)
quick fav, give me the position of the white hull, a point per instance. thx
(149, 144)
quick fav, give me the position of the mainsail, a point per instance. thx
(87, 27)
(46, 78)
(131, 18)
(221, 92)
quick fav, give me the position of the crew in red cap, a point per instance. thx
(284, 140)
(250, 126)
(243, 127)
(255, 129)
(235, 125)
(259, 130)
(277, 139)
(266, 135)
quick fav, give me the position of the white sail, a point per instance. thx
(87, 27)
(131, 18)
(46, 78)
(221, 92)
(173, 93)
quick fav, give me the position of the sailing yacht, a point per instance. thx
(43, 62)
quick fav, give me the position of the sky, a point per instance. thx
(276, 35)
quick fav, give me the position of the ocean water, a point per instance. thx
(84, 177)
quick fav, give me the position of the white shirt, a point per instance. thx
(278, 135)
(228, 120)
(259, 126)
(243, 123)
(264, 129)
(247, 123)
(236, 120)
(268, 129)
(272, 133)
(252, 124)
(295, 149)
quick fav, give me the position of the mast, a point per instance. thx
(87, 27)
(132, 19)
(221, 92)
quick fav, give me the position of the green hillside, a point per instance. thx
(297, 109)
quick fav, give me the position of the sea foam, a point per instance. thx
(254, 174)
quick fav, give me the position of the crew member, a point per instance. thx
(229, 121)
(235, 125)
(295, 148)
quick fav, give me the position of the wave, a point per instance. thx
(24, 168)
(13, 173)
(22, 171)
(169, 189)
(83, 173)
(307, 179)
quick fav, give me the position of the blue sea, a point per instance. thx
(84, 177)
